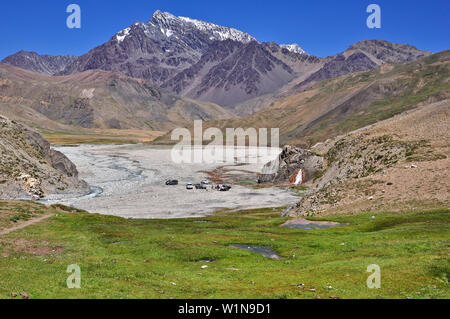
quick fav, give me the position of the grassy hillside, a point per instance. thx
(163, 258)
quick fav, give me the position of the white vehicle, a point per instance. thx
(205, 182)
(189, 186)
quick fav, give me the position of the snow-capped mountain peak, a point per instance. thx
(164, 18)
(165, 15)
(173, 25)
(293, 48)
(220, 33)
(168, 25)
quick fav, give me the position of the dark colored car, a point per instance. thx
(224, 188)
(172, 182)
(200, 186)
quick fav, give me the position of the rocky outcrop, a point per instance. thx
(30, 168)
(289, 162)
(351, 157)
(329, 168)
(57, 159)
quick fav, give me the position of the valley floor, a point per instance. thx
(99, 136)
(122, 258)
(129, 181)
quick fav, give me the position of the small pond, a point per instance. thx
(265, 251)
(301, 223)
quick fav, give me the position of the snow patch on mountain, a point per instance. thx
(122, 35)
(293, 48)
(167, 32)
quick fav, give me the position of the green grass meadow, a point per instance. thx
(123, 258)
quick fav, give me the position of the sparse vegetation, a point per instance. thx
(25, 214)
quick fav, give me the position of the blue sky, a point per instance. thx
(321, 27)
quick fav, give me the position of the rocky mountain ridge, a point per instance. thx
(362, 56)
(45, 64)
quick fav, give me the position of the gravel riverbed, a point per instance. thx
(129, 181)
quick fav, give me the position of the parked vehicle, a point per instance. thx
(200, 186)
(189, 186)
(223, 188)
(205, 182)
(172, 182)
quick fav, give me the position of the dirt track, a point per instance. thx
(24, 224)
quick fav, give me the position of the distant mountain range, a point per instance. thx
(208, 62)
(96, 99)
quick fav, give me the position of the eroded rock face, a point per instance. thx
(290, 160)
(30, 168)
(58, 160)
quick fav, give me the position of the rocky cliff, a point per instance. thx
(29, 168)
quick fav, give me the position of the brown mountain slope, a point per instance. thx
(396, 164)
(340, 105)
(96, 99)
